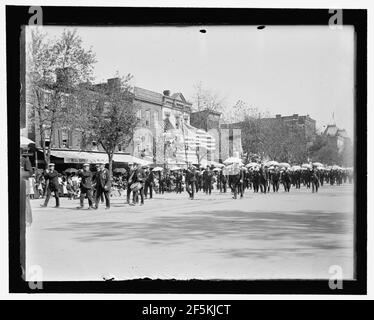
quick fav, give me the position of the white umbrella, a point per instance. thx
(294, 168)
(306, 166)
(285, 165)
(24, 142)
(272, 163)
(175, 168)
(157, 169)
(232, 160)
(317, 164)
(216, 164)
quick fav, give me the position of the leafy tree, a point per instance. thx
(265, 138)
(324, 151)
(113, 119)
(54, 70)
(347, 154)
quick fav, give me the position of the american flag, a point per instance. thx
(202, 138)
(187, 140)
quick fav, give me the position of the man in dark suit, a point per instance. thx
(140, 178)
(149, 184)
(208, 177)
(161, 182)
(285, 178)
(86, 186)
(103, 184)
(51, 177)
(191, 181)
(178, 181)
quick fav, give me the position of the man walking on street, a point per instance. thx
(51, 177)
(178, 181)
(191, 181)
(208, 177)
(148, 185)
(86, 186)
(102, 181)
(140, 178)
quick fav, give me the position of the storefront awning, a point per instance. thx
(126, 158)
(70, 156)
(79, 156)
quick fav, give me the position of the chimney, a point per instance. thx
(166, 93)
(114, 83)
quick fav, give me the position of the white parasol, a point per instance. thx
(157, 169)
(232, 160)
(284, 165)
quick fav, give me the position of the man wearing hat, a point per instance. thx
(102, 181)
(140, 179)
(178, 181)
(85, 186)
(207, 180)
(51, 176)
(131, 179)
(190, 181)
(148, 185)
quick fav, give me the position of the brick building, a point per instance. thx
(337, 137)
(153, 110)
(305, 122)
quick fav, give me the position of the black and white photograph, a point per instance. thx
(194, 151)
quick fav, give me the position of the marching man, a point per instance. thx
(102, 181)
(86, 186)
(51, 176)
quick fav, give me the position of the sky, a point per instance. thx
(279, 69)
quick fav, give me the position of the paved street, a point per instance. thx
(295, 235)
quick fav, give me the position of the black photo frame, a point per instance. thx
(17, 16)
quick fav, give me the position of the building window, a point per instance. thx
(64, 143)
(147, 118)
(94, 146)
(155, 116)
(64, 138)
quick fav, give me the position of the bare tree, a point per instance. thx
(205, 99)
